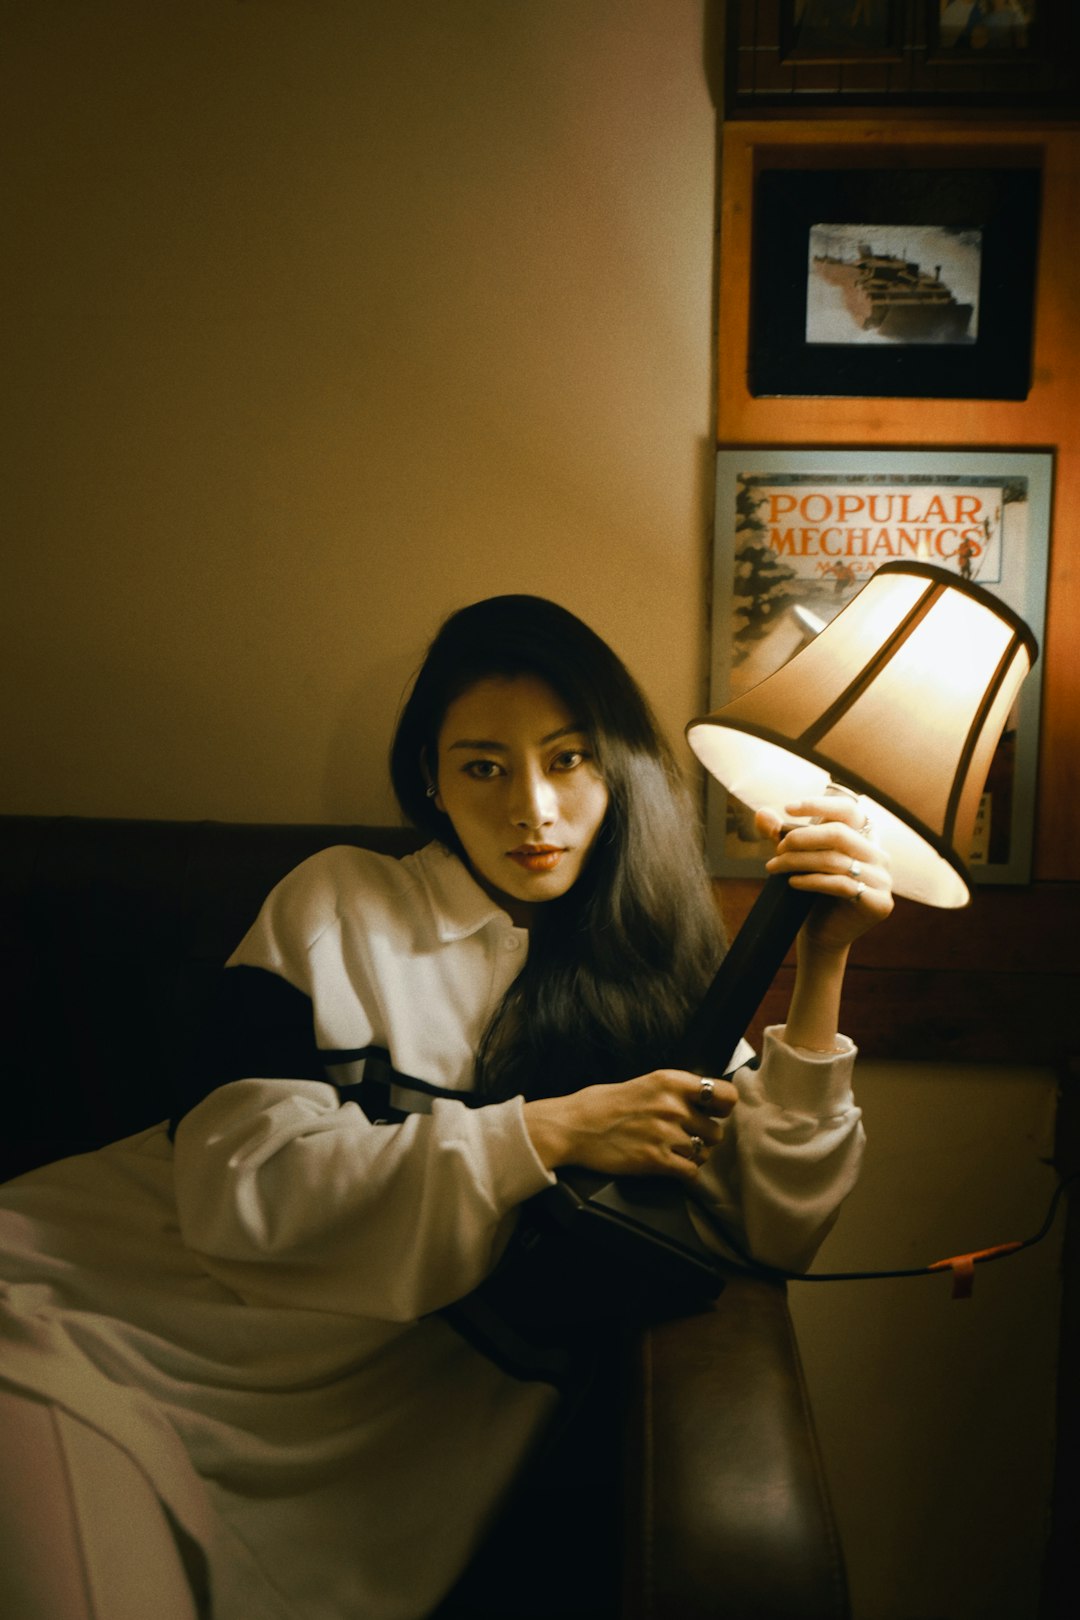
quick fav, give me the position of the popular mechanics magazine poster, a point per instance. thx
(798, 533)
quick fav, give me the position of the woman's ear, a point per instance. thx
(431, 787)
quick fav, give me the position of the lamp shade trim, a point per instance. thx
(975, 730)
(979, 593)
(867, 675)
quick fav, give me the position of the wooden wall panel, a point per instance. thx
(1048, 419)
(997, 982)
(1000, 981)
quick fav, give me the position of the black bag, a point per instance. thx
(585, 1253)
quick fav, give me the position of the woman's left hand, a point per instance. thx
(832, 854)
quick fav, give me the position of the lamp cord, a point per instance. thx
(729, 1004)
(961, 1265)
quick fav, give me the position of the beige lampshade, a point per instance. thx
(902, 698)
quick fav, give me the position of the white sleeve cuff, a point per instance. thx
(802, 1081)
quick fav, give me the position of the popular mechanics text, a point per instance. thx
(957, 527)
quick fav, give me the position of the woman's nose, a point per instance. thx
(533, 801)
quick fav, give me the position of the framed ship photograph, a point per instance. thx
(798, 531)
(900, 282)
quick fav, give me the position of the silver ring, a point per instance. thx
(697, 1148)
(859, 887)
(854, 869)
(705, 1095)
(867, 824)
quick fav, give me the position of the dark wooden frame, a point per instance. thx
(770, 73)
(995, 982)
(921, 186)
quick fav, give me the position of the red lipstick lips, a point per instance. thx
(537, 857)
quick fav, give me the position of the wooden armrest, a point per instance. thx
(728, 1511)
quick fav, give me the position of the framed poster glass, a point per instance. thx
(798, 531)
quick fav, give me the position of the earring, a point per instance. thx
(431, 791)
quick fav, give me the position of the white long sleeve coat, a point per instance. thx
(247, 1310)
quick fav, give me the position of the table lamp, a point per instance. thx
(901, 699)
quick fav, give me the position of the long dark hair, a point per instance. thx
(618, 963)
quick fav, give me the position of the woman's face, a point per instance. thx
(516, 776)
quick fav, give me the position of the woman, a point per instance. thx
(241, 1311)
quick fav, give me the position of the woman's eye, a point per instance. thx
(482, 770)
(569, 759)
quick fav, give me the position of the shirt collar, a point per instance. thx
(460, 907)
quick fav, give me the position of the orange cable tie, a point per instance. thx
(962, 1266)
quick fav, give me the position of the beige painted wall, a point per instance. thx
(936, 1415)
(327, 316)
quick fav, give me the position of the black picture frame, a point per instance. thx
(897, 334)
(781, 60)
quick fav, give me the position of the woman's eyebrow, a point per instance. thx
(572, 730)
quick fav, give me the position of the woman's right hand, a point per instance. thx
(664, 1123)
